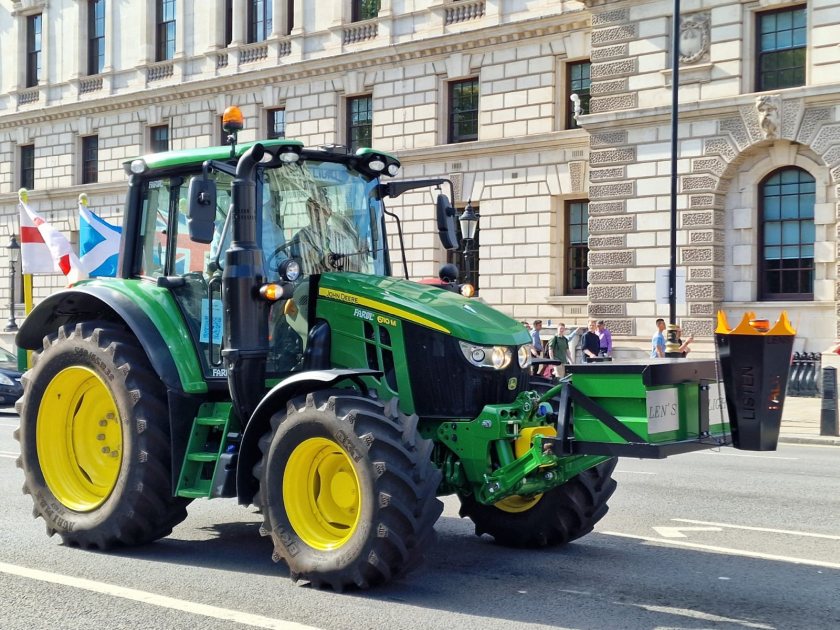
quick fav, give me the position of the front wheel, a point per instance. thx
(554, 518)
(94, 440)
(347, 490)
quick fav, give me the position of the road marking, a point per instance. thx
(9, 455)
(10, 426)
(677, 532)
(154, 599)
(720, 454)
(695, 614)
(728, 551)
(634, 472)
(759, 529)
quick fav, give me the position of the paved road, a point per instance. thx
(718, 540)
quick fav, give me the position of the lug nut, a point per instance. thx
(103, 423)
(101, 437)
(106, 449)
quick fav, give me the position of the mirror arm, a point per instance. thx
(395, 189)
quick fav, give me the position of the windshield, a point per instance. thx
(325, 216)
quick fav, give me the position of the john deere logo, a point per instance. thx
(512, 383)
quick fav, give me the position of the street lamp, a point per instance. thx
(14, 256)
(469, 224)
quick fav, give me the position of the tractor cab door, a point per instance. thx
(192, 271)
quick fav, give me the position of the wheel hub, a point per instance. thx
(321, 492)
(79, 439)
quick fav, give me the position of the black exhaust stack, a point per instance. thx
(246, 313)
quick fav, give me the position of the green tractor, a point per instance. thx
(255, 345)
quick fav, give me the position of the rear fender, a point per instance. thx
(276, 399)
(148, 322)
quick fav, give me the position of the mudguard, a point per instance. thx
(276, 399)
(155, 323)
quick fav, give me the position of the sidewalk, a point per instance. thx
(800, 422)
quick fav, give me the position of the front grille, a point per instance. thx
(445, 385)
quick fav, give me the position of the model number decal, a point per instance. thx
(368, 316)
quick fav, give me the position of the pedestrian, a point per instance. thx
(605, 339)
(657, 342)
(591, 343)
(558, 348)
(536, 344)
(684, 344)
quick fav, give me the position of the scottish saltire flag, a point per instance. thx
(43, 249)
(99, 242)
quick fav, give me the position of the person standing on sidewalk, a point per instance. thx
(605, 339)
(591, 343)
(657, 342)
(558, 348)
(536, 344)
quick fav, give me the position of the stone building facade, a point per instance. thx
(529, 165)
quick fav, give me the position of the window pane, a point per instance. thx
(463, 111)
(788, 244)
(772, 233)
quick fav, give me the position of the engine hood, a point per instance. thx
(429, 306)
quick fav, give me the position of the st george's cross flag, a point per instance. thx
(43, 249)
(99, 242)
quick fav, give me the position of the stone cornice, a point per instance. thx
(330, 67)
(568, 140)
(811, 94)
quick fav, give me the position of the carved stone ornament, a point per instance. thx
(767, 106)
(695, 35)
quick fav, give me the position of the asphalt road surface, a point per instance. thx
(707, 540)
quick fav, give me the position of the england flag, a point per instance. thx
(99, 242)
(43, 248)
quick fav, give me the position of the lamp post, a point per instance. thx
(469, 224)
(14, 256)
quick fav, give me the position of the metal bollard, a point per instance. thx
(828, 412)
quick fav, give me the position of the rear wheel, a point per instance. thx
(553, 518)
(347, 490)
(94, 439)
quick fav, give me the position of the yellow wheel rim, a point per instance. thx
(321, 493)
(518, 503)
(79, 439)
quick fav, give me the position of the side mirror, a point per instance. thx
(202, 209)
(446, 223)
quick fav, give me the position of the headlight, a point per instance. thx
(524, 356)
(494, 357)
(5, 380)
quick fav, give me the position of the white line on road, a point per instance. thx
(728, 551)
(9, 455)
(634, 472)
(11, 426)
(719, 454)
(154, 599)
(758, 529)
(696, 614)
(677, 532)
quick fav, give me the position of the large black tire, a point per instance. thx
(347, 490)
(94, 440)
(555, 518)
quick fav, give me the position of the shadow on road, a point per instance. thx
(599, 581)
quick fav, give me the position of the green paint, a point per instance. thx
(169, 159)
(159, 305)
(463, 318)
(208, 440)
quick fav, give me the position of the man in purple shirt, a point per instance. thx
(605, 337)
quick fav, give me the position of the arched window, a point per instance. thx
(786, 235)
